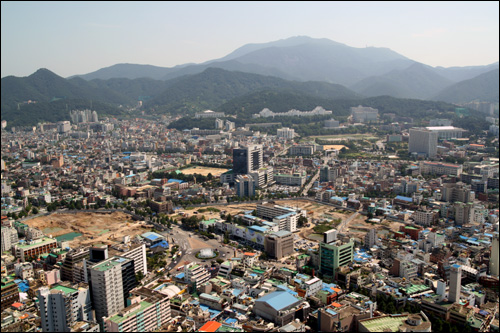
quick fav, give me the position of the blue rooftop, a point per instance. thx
(279, 300)
(284, 216)
(400, 197)
(175, 181)
(257, 228)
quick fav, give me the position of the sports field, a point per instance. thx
(204, 171)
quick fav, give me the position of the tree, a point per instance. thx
(35, 210)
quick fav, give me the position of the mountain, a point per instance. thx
(215, 86)
(52, 96)
(129, 71)
(417, 81)
(483, 87)
(297, 58)
(44, 86)
(457, 74)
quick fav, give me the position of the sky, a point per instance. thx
(72, 38)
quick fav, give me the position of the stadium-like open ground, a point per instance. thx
(204, 171)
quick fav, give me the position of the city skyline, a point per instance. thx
(78, 38)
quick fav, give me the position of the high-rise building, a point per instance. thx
(195, 275)
(371, 238)
(63, 305)
(245, 186)
(494, 261)
(149, 311)
(247, 160)
(464, 212)
(279, 244)
(423, 141)
(111, 281)
(455, 283)
(73, 257)
(334, 255)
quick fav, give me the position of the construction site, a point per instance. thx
(85, 228)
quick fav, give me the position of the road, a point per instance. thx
(346, 222)
(180, 237)
(311, 182)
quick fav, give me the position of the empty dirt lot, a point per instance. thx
(94, 227)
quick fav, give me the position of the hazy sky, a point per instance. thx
(72, 38)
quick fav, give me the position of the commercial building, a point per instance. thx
(149, 311)
(73, 257)
(334, 255)
(423, 142)
(285, 217)
(245, 186)
(279, 244)
(63, 305)
(463, 212)
(453, 192)
(278, 307)
(111, 282)
(247, 160)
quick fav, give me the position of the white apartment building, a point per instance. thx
(62, 306)
(424, 218)
(195, 274)
(285, 133)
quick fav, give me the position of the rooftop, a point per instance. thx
(384, 323)
(279, 300)
(123, 315)
(64, 289)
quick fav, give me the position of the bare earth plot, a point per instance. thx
(204, 171)
(94, 227)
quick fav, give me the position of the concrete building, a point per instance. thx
(439, 169)
(334, 255)
(10, 293)
(111, 281)
(277, 307)
(371, 238)
(279, 244)
(455, 283)
(463, 212)
(295, 179)
(494, 260)
(209, 114)
(330, 236)
(453, 192)
(447, 132)
(363, 114)
(245, 186)
(149, 311)
(62, 306)
(34, 248)
(331, 123)
(247, 160)
(9, 238)
(195, 275)
(423, 141)
(285, 133)
(302, 150)
(285, 217)
(63, 126)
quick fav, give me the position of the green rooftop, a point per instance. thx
(66, 290)
(119, 318)
(108, 264)
(384, 324)
(415, 288)
(44, 241)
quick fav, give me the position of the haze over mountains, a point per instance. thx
(316, 68)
